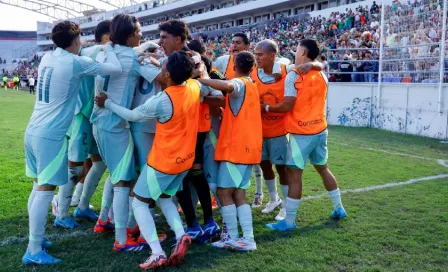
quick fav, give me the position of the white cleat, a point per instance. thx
(272, 205)
(281, 215)
(258, 200)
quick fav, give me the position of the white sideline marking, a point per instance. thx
(387, 185)
(16, 240)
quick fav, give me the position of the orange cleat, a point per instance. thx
(180, 250)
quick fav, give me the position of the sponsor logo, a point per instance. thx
(207, 116)
(253, 150)
(273, 117)
(310, 122)
(180, 160)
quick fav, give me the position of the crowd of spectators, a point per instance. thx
(350, 40)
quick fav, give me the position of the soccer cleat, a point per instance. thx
(179, 251)
(142, 242)
(46, 244)
(221, 243)
(272, 205)
(154, 261)
(133, 233)
(130, 245)
(55, 206)
(258, 200)
(40, 258)
(281, 215)
(242, 244)
(103, 227)
(281, 226)
(87, 214)
(214, 203)
(338, 213)
(211, 230)
(67, 223)
(195, 233)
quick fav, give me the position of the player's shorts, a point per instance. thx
(152, 183)
(94, 147)
(274, 150)
(142, 145)
(234, 175)
(210, 165)
(303, 147)
(81, 139)
(46, 160)
(117, 150)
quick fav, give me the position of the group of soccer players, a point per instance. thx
(171, 128)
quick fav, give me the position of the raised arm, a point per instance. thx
(222, 85)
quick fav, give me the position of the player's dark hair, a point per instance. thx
(244, 62)
(101, 29)
(197, 46)
(242, 36)
(122, 27)
(180, 65)
(64, 33)
(312, 48)
(177, 28)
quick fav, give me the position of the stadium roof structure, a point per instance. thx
(64, 9)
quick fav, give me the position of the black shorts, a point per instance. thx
(199, 152)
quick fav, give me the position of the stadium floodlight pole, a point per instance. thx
(380, 70)
(442, 58)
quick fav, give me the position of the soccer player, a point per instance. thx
(172, 155)
(271, 90)
(173, 37)
(143, 133)
(16, 80)
(304, 105)
(112, 132)
(60, 74)
(274, 133)
(239, 146)
(81, 144)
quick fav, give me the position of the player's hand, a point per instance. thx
(199, 71)
(304, 68)
(277, 77)
(100, 99)
(263, 106)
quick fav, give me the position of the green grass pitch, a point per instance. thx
(402, 228)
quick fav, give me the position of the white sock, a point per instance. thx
(257, 173)
(90, 183)
(111, 215)
(245, 218)
(272, 189)
(121, 212)
(66, 191)
(335, 196)
(106, 202)
(78, 191)
(31, 197)
(291, 206)
(229, 217)
(131, 220)
(172, 216)
(38, 220)
(147, 226)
